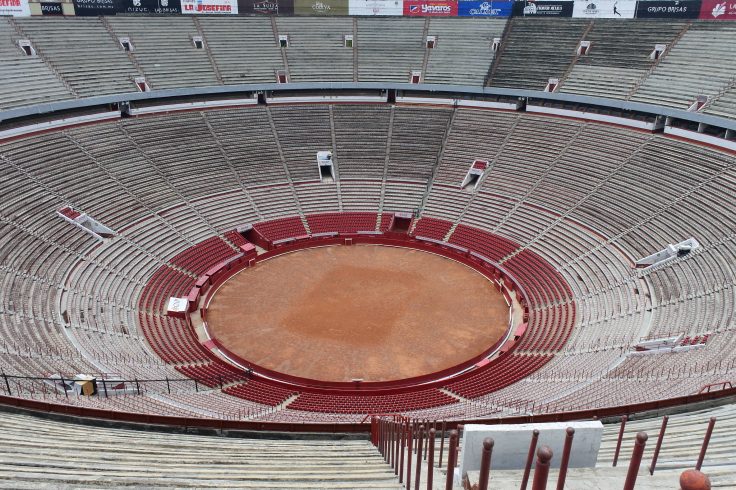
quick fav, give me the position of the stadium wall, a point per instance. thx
(601, 9)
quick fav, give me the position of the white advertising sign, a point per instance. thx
(205, 7)
(604, 9)
(376, 7)
(15, 8)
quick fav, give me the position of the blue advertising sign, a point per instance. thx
(475, 8)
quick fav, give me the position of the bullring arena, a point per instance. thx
(353, 245)
(325, 313)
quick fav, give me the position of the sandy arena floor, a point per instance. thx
(364, 311)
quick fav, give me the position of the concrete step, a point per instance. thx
(40, 453)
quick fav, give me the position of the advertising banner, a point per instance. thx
(376, 7)
(474, 8)
(668, 9)
(149, 6)
(209, 7)
(720, 10)
(430, 8)
(51, 8)
(321, 7)
(15, 8)
(266, 7)
(94, 7)
(604, 9)
(543, 8)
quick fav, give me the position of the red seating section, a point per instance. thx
(694, 340)
(165, 283)
(385, 221)
(400, 402)
(172, 339)
(235, 238)
(212, 373)
(281, 228)
(498, 375)
(70, 213)
(432, 228)
(257, 391)
(549, 297)
(342, 222)
(204, 255)
(487, 244)
(543, 284)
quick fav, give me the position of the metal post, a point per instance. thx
(168, 385)
(416, 439)
(397, 443)
(541, 470)
(385, 441)
(403, 450)
(452, 451)
(104, 386)
(430, 459)
(706, 440)
(426, 438)
(420, 441)
(659, 444)
(570, 433)
(460, 429)
(380, 436)
(409, 448)
(7, 384)
(442, 442)
(392, 436)
(620, 438)
(530, 459)
(641, 441)
(485, 464)
(63, 385)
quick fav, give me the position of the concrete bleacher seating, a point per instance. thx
(165, 51)
(676, 80)
(378, 56)
(535, 50)
(565, 207)
(366, 156)
(82, 57)
(244, 48)
(317, 49)
(83, 53)
(40, 84)
(618, 57)
(463, 50)
(66, 454)
(543, 210)
(416, 140)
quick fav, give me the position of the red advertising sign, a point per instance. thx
(718, 9)
(430, 8)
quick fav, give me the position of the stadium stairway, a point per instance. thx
(40, 453)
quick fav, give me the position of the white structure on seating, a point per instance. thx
(474, 175)
(86, 223)
(511, 444)
(325, 167)
(669, 253)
